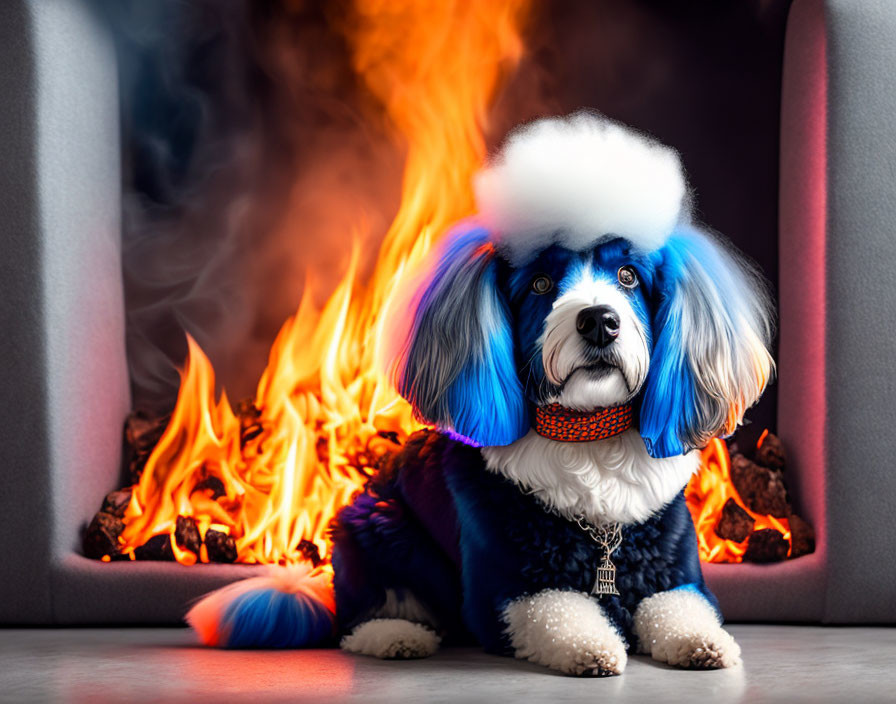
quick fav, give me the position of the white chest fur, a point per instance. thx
(604, 481)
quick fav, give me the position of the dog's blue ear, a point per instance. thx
(458, 367)
(712, 330)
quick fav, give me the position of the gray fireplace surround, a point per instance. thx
(63, 379)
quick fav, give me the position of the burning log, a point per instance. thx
(735, 523)
(101, 536)
(157, 547)
(761, 489)
(186, 534)
(220, 546)
(802, 537)
(770, 452)
(116, 502)
(142, 432)
(310, 552)
(766, 545)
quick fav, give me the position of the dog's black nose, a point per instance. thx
(598, 324)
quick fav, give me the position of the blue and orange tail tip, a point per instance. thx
(289, 607)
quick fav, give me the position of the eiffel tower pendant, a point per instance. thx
(609, 538)
(605, 579)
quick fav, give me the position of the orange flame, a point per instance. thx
(707, 493)
(324, 404)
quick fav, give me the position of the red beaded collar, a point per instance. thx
(556, 422)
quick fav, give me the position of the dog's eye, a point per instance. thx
(627, 276)
(541, 284)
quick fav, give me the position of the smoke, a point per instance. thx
(251, 156)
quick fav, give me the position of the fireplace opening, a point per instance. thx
(258, 481)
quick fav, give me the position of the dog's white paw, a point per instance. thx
(705, 651)
(391, 638)
(680, 628)
(565, 631)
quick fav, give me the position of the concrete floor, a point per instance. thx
(781, 663)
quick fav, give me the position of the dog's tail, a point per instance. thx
(289, 607)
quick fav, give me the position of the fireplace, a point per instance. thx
(65, 389)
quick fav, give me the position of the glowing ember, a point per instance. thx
(706, 495)
(324, 409)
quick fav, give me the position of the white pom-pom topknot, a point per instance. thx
(578, 180)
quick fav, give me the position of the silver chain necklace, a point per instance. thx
(609, 538)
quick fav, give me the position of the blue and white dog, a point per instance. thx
(574, 345)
